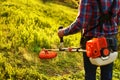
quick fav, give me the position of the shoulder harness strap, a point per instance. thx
(105, 17)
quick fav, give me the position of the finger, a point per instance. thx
(61, 33)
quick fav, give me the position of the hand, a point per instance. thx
(61, 32)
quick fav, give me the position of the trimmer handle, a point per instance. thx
(61, 38)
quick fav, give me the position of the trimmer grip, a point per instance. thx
(61, 38)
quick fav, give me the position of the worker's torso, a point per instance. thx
(107, 28)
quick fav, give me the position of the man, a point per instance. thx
(89, 14)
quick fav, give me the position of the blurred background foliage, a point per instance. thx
(70, 3)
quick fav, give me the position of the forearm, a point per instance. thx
(75, 27)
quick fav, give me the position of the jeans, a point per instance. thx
(90, 69)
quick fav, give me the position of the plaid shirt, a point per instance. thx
(88, 18)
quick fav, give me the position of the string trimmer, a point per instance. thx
(96, 49)
(52, 53)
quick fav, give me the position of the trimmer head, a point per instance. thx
(45, 54)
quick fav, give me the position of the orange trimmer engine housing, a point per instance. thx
(97, 47)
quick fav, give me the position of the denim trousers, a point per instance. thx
(105, 71)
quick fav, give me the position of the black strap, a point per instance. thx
(110, 13)
(100, 7)
(103, 17)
